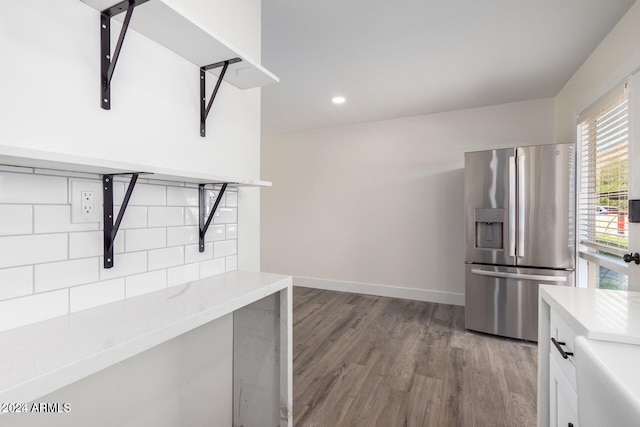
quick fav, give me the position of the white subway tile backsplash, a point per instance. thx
(140, 239)
(191, 216)
(95, 294)
(16, 219)
(67, 174)
(211, 196)
(90, 243)
(183, 274)
(145, 283)
(125, 179)
(29, 188)
(167, 257)
(32, 249)
(143, 195)
(162, 182)
(118, 190)
(224, 248)
(134, 217)
(58, 275)
(232, 199)
(182, 196)
(16, 282)
(34, 308)
(192, 253)
(226, 216)
(232, 231)
(166, 216)
(57, 219)
(212, 268)
(50, 266)
(215, 233)
(177, 236)
(125, 264)
(231, 263)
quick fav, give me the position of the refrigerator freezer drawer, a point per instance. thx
(504, 300)
(520, 276)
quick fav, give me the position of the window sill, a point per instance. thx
(617, 265)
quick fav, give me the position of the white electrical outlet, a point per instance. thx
(88, 205)
(86, 200)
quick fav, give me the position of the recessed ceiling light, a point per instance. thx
(338, 99)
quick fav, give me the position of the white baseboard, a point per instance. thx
(381, 290)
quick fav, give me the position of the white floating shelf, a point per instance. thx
(38, 359)
(165, 23)
(26, 157)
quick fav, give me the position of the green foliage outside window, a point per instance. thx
(613, 184)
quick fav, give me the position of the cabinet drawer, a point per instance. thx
(563, 400)
(565, 337)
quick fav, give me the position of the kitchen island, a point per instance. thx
(566, 313)
(39, 359)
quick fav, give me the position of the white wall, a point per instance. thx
(50, 81)
(615, 58)
(382, 203)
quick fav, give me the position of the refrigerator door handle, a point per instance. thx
(521, 206)
(512, 206)
(519, 276)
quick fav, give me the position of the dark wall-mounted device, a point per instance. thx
(634, 210)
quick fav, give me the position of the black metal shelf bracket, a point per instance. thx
(107, 61)
(204, 107)
(204, 220)
(110, 227)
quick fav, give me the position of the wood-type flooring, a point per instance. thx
(369, 361)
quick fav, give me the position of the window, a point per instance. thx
(603, 133)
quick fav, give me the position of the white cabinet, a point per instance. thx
(563, 400)
(565, 313)
(557, 397)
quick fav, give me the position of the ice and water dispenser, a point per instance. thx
(489, 228)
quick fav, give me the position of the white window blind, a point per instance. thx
(603, 131)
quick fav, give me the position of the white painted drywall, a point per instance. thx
(49, 81)
(382, 203)
(617, 56)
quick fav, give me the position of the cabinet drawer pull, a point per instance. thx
(564, 354)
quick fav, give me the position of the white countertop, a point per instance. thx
(40, 358)
(598, 314)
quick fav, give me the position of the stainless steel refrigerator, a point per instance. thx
(520, 232)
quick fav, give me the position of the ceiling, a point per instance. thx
(397, 58)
